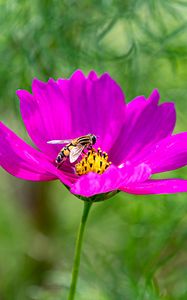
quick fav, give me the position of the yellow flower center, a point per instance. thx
(94, 161)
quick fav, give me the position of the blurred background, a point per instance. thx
(135, 247)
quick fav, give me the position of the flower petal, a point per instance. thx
(97, 106)
(69, 108)
(168, 154)
(137, 173)
(162, 186)
(46, 116)
(92, 75)
(146, 123)
(23, 161)
(93, 183)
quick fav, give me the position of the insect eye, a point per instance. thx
(94, 139)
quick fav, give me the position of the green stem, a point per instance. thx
(78, 247)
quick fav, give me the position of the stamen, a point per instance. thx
(94, 161)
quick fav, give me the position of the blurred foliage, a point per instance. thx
(135, 247)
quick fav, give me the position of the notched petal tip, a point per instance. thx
(24, 95)
(107, 82)
(106, 76)
(38, 84)
(51, 81)
(92, 75)
(154, 96)
(77, 75)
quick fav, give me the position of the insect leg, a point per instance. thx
(89, 147)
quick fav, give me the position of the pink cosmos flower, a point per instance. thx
(137, 137)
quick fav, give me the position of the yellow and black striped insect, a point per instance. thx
(74, 148)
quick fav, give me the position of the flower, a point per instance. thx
(137, 136)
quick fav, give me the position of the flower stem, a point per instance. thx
(78, 247)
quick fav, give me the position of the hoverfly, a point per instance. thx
(74, 147)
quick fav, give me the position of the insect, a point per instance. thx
(74, 147)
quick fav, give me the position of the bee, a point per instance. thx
(74, 148)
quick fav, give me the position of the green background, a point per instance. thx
(135, 247)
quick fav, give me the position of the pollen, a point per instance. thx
(94, 161)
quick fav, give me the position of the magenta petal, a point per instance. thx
(92, 75)
(93, 183)
(137, 173)
(162, 186)
(46, 116)
(168, 154)
(97, 106)
(146, 123)
(154, 97)
(21, 160)
(67, 109)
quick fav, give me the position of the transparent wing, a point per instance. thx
(75, 153)
(59, 142)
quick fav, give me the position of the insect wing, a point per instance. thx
(75, 153)
(54, 142)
